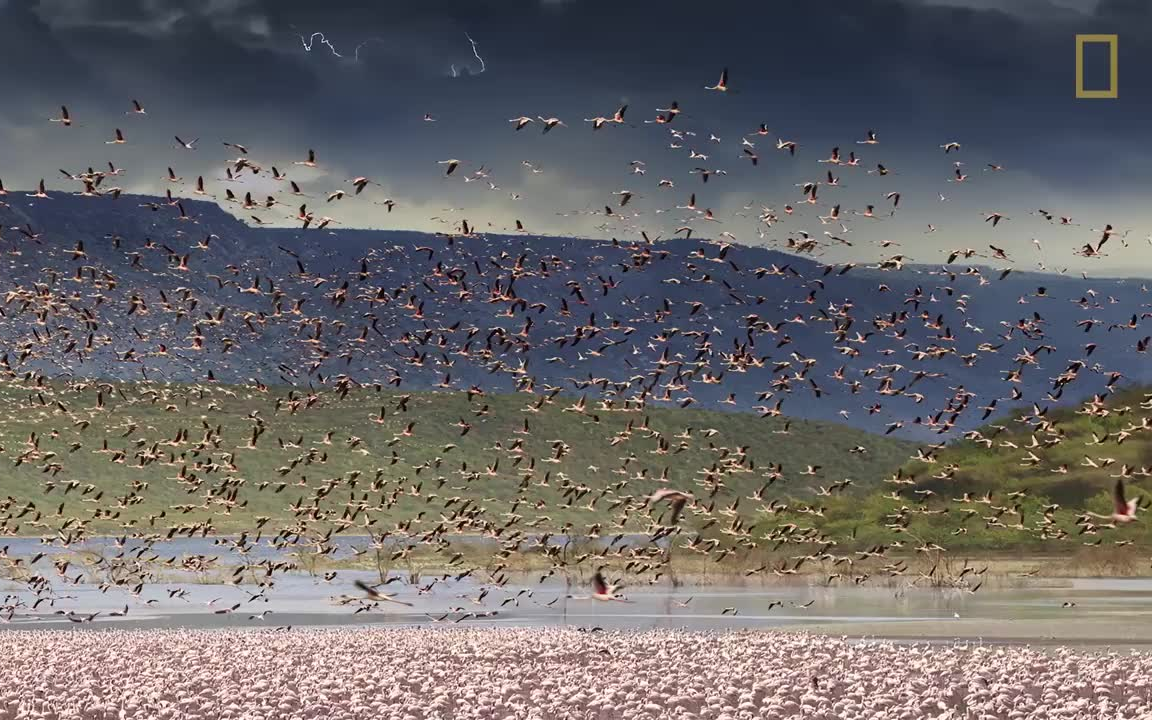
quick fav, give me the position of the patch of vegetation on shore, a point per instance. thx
(113, 458)
(407, 470)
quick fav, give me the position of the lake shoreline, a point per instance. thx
(941, 570)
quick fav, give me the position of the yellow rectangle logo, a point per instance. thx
(1113, 90)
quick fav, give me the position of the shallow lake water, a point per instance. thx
(1105, 612)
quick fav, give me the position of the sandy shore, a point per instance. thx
(549, 674)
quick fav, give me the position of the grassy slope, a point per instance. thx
(971, 467)
(146, 418)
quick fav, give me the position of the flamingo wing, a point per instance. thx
(599, 587)
(1118, 499)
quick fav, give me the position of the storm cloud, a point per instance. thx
(355, 82)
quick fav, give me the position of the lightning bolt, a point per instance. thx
(311, 41)
(474, 52)
(356, 53)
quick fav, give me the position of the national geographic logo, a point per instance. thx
(1113, 89)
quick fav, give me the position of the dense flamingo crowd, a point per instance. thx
(550, 674)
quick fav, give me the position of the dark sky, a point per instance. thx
(996, 76)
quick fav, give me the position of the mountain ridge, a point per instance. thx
(718, 326)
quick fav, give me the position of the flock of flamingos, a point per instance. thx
(452, 309)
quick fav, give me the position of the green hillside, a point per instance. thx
(148, 457)
(1011, 471)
